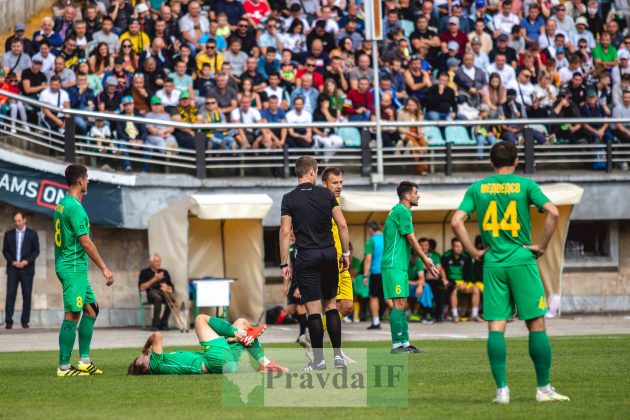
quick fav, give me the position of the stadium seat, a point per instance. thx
(408, 27)
(459, 136)
(351, 136)
(433, 136)
(142, 306)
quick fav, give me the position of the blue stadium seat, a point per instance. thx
(459, 136)
(408, 27)
(433, 136)
(351, 136)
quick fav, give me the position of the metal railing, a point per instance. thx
(203, 161)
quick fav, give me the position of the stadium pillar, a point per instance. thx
(530, 158)
(609, 156)
(69, 140)
(200, 154)
(366, 153)
(285, 161)
(448, 167)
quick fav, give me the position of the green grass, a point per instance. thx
(450, 380)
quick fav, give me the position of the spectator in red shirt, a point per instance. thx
(310, 66)
(454, 34)
(256, 10)
(360, 102)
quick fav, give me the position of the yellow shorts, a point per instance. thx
(344, 289)
(471, 284)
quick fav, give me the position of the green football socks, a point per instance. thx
(86, 329)
(540, 352)
(404, 338)
(396, 323)
(256, 350)
(67, 335)
(222, 327)
(497, 357)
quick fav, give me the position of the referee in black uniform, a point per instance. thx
(309, 209)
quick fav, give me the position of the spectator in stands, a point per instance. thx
(336, 98)
(505, 71)
(362, 70)
(565, 22)
(81, 98)
(494, 95)
(581, 32)
(235, 57)
(595, 133)
(360, 106)
(273, 138)
(348, 39)
(19, 33)
(470, 80)
(139, 40)
(107, 35)
(92, 22)
(139, 94)
(211, 57)
(45, 56)
(121, 12)
(156, 50)
(319, 33)
(183, 81)
(109, 99)
(248, 89)
(258, 81)
(247, 36)
(159, 135)
(299, 137)
(605, 53)
(453, 33)
(233, 9)
(133, 133)
(481, 59)
(440, 102)
(169, 95)
(154, 77)
(484, 135)
(413, 136)
(101, 60)
(33, 80)
(503, 48)
(325, 138)
(185, 112)
(274, 89)
(622, 130)
(193, 25)
(47, 32)
(64, 25)
(246, 114)
(16, 60)
(67, 76)
(545, 95)
(156, 282)
(218, 139)
(295, 40)
(69, 53)
(102, 135)
(524, 89)
(564, 107)
(533, 24)
(54, 95)
(577, 89)
(307, 92)
(256, 10)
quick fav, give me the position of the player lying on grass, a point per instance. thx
(223, 344)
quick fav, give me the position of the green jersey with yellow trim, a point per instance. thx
(70, 222)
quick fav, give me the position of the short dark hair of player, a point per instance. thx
(74, 173)
(423, 239)
(432, 244)
(304, 164)
(404, 188)
(331, 170)
(135, 368)
(374, 225)
(455, 240)
(503, 154)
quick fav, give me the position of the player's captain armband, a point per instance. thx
(501, 188)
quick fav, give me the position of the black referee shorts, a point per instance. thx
(376, 286)
(317, 273)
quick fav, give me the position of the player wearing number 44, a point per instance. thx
(73, 246)
(511, 278)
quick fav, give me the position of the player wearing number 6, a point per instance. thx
(399, 237)
(73, 246)
(511, 276)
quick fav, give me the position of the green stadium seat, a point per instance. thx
(142, 306)
(433, 136)
(408, 27)
(351, 137)
(459, 136)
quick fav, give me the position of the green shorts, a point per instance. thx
(395, 283)
(507, 287)
(218, 356)
(77, 291)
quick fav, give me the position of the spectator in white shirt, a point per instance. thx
(299, 137)
(246, 114)
(505, 71)
(45, 56)
(169, 96)
(54, 95)
(504, 21)
(581, 32)
(524, 88)
(564, 21)
(193, 26)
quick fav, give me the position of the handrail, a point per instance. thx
(340, 124)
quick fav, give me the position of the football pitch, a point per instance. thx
(450, 380)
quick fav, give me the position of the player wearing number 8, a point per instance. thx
(511, 278)
(73, 246)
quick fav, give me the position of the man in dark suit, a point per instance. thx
(20, 249)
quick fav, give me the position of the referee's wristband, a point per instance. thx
(284, 265)
(345, 254)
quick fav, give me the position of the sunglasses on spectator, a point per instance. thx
(211, 46)
(310, 64)
(210, 102)
(126, 46)
(561, 9)
(243, 26)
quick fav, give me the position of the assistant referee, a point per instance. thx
(310, 209)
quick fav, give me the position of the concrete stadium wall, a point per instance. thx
(13, 11)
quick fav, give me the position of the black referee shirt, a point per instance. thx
(310, 208)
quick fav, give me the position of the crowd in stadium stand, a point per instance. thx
(298, 61)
